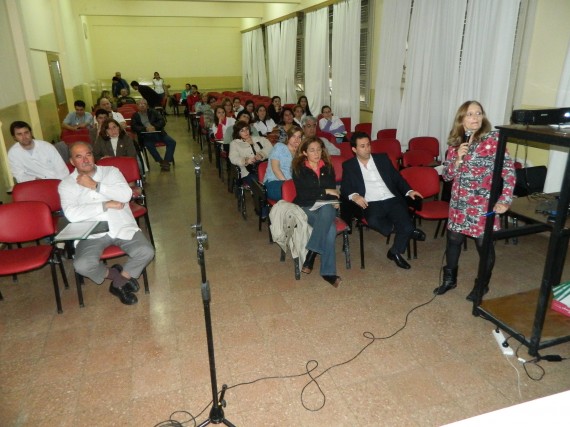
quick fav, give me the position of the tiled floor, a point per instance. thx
(109, 364)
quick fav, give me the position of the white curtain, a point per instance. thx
(433, 58)
(246, 65)
(391, 53)
(345, 99)
(273, 56)
(317, 59)
(486, 59)
(286, 73)
(259, 73)
(558, 155)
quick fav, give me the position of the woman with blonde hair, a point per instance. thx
(470, 163)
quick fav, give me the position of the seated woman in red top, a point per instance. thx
(221, 123)
(314, 178)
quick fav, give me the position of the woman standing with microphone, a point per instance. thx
(469, 164)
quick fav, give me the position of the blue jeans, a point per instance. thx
(150, 139)
(323, 237)
(274, 189)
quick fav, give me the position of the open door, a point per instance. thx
(58, 87)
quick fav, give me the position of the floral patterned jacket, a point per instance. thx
(472, 185)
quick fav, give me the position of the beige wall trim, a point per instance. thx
(281, 19)
(252, 28)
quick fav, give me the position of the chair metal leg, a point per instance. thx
(78, 284)
(346, 249)
(58, 260)
(282, 257)
(145, 280)
(55, 286)
(149, 228)
(361, 235)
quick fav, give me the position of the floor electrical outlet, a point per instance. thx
(503, 344)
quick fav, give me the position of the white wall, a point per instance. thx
(13, 92)
(551, 35)
(138, 46)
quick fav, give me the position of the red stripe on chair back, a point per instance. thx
(288, 191)
(262, 170)
(390, 146)
(39, 190)
(422, 179)
(127, 165)
(416, 158)
(25, 221)
(386, 133)
(364, 127)
(337, 162)
(428, 143)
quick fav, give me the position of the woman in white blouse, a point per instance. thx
(264, 124)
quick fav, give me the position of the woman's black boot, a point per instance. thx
(449, 281)
(473, 294)
(309, 262)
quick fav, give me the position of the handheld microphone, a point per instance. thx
(466, 137)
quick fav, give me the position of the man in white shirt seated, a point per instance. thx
(371, 182)
(31, 158)
(77, 119)
(100, 193)
(105, 104)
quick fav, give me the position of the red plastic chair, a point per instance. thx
(391, 147)
(364, 127)
(428, 143)
(40, 190)
(417, 158)
(130, 170)
(386, 133)
(81, 131)
(337, 162)
(71, 139)
(27, 222)
(425, 180)
(288, 193)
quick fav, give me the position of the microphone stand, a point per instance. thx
(218, 403)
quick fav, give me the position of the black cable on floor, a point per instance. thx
(310, 367)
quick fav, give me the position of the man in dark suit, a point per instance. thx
(153, 99)
(370, 182)
(149, 126)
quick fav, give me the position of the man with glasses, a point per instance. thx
(310, 130)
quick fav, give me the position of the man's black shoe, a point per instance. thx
(125, 296)
(132, 285)
(418, 235)
(399, 260)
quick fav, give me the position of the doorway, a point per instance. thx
(57, 83)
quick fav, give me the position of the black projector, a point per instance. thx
(548, 116)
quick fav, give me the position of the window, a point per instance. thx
(299, 56)
(366, 30)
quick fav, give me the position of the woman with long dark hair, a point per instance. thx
(314, 178)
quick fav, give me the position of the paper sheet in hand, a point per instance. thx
(82, 230)
(320, 203)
